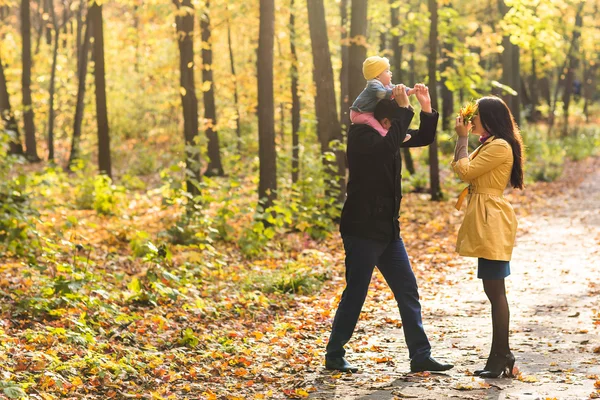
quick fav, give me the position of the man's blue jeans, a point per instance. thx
(362, 255)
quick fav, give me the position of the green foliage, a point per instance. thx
(131, 182)
(98, 193)
(253, 239)
(582, 143)
(189, 338)
(416, 183)
(140, 244)
(294, 278)
(12, 390)
(17, 215)
(546, 156)
(193, 227)
(545, 159)
(64, 280)
(156, 283)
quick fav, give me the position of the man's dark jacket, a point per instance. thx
(374, 189)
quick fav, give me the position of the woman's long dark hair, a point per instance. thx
(497, 120)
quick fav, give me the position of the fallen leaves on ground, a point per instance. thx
(219, 335)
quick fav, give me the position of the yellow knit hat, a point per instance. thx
(373, 66)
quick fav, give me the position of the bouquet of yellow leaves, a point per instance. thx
(468, 112)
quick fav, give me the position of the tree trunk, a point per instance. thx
(46, 27)
(79, 106)
(65, 19)
(267, 186)
(328, 126)
(345, 101)
(136, 28)
(382, 42)
(295, 99)
(408, 160)
(215, 167)
(280, 89)
(573, 57)
(533, 89)
(358, 50)
(544, 85)
(396, 48)
(447, 95)
(184, 21)
(525, 99)
(238, 130)
(30, 141)
(38, 24)
(588, 88)
(6, 115)
(434, 168)
(412, 64)
(511, 75)
(52, 83)
(80, 24)
(104, 159)
(574, 37)
(397, 73)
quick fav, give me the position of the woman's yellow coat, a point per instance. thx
(490, 225)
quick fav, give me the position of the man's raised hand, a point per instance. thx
(399, 92)
(422, 94)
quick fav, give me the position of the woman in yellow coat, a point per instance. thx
(489, 228)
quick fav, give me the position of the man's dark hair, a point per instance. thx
(385, 109)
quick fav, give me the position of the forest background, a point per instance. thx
(173, 172)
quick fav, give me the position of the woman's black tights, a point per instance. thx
(496, 292)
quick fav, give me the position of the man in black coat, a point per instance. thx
(371, 231)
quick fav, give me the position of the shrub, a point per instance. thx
(17, 215)
(99, 194)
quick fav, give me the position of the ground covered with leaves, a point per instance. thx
(135, 298)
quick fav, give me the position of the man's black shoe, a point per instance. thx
(429, 364)
(340, 364)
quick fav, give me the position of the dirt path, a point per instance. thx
(554, 294)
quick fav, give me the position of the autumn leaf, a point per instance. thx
(462, 386)
(527, 379)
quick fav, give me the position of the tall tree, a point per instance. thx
(328, 126)
(533, 87)
(56, 27)
(215, 167)
(65, 19)
(184, 22)
(573, 65)
(104, 159)
(345, 101)
(511, 72)
(6, 115)
(238, 129)
(358, 49)
(573, 43)
(412, 64)
(267, 185)
(434, 167)
(82, 64)
(397, 69)
(47, 25)
(447, 94)
(80, 25)
(295, 98)
(395, 42)
(30, 141)
(589, 83)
